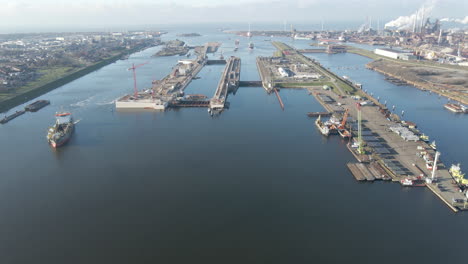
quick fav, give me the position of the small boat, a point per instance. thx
(406, 182)
(412, 183)
(433, 145)
(251, 45)
(424, 138)
(344, 133)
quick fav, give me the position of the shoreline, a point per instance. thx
(22, 98)
(398, 159)
(418, 85)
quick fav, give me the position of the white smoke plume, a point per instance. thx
(408, 22)
(463, 21)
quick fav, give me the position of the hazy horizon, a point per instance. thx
(19, 16)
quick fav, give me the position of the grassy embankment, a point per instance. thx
(334, 81)
(52, 78)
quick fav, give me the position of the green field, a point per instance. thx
(47, 76)
(280, 45)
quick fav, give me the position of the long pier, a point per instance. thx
(229, 81)
(279, 98)
(265, 74)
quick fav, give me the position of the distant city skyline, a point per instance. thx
(108, 13)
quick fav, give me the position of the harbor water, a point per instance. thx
(255, 184)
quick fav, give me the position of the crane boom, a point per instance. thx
(133, 68)
(345, 118)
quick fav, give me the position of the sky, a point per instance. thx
(87, 13)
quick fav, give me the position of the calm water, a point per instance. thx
(255, 185)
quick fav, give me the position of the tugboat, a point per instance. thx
(322, 127)
(406, 182)
(61, 132)
(424, 138)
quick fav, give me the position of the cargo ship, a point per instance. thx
(36, 105)
(6, 119)
(61, 132)
(456, 108)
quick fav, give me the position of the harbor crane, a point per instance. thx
(133, 68)
(343, 121)
(360, 149)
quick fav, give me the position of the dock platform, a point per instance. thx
(229, 81)
(363, 172)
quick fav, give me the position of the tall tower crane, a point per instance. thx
(135, 89)
(360, 150)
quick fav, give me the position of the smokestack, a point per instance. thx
(440, 37)
(370, 22)
(414, 22)
(422, 20)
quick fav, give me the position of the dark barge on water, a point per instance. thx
(314, 114)
(37, 105)
(6, 119)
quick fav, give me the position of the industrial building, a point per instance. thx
(395, 54)
(284, 72)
